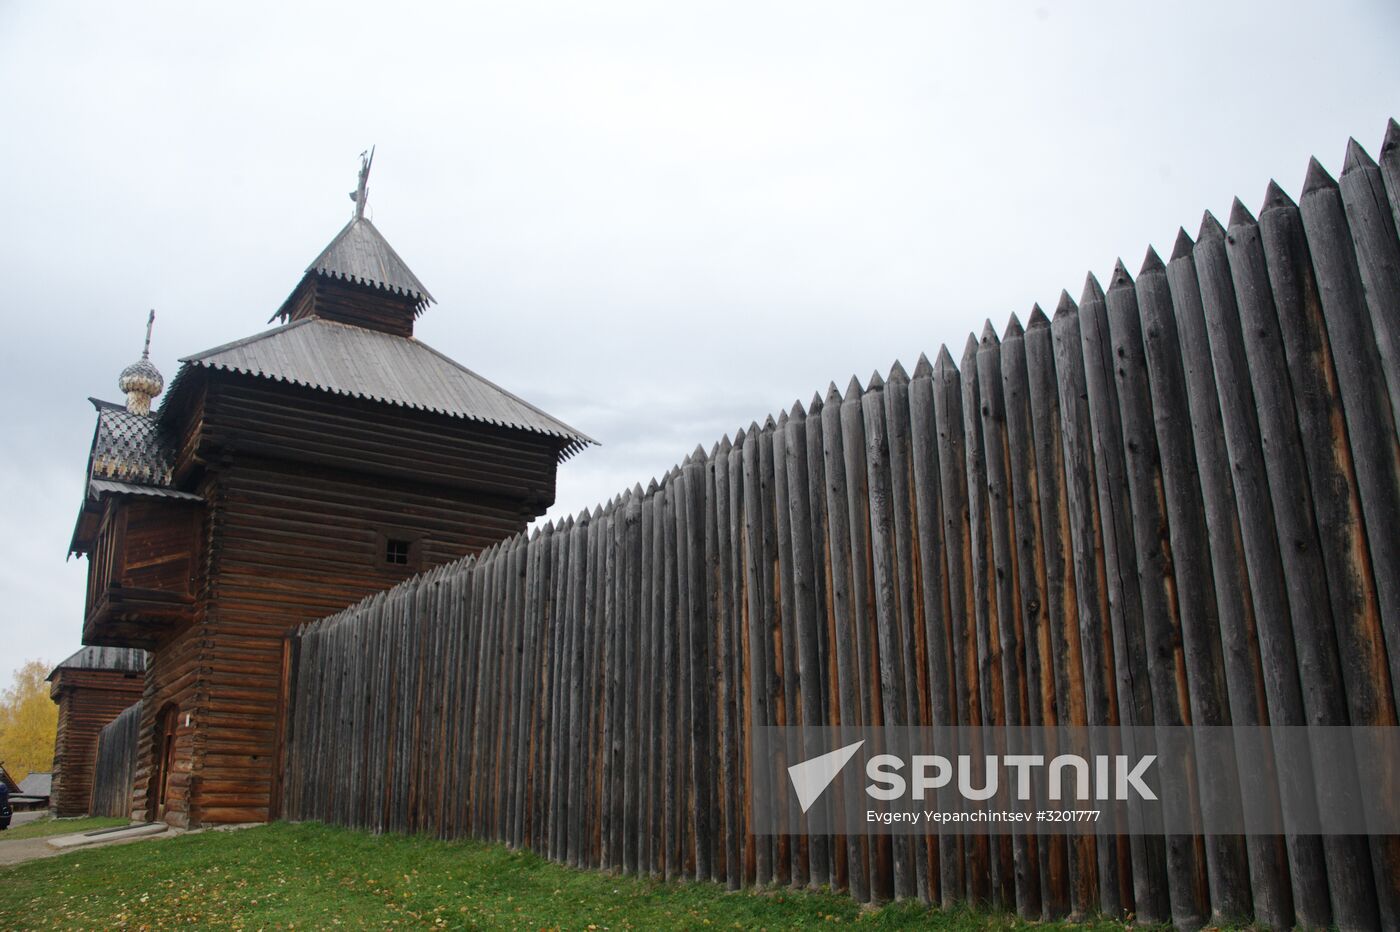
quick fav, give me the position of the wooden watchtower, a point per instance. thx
(91, 688)
(285, 476)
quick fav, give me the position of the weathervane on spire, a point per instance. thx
(361, 193)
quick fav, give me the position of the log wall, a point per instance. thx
(288, 543)
(1174, 502)
(302, 492)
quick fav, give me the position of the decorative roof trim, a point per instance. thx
(100, 487)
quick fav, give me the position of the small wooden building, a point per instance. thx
(286, 476)
(92, 687)
(34, 792)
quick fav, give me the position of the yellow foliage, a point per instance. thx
(28, 722)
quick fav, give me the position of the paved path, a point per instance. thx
(26, 849)
(31, 849)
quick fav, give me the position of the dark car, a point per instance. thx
(5, 812)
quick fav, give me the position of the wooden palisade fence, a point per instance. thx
(115, 768)
(1174, 502)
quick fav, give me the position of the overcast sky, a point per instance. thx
(657, 221)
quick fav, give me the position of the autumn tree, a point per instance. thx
(28, 722)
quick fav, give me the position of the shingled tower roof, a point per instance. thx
(347, 329)
(118, 659)
(360, 254)
(334, 357)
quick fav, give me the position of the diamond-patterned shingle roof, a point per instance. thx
(132, 454)
(130, 447)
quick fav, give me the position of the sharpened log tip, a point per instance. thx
(945, 360)
(1181, 249)
(1275, 197)
(1066, 305)
(1317, 179)
(1240, 215)
(1151, 262)
(1121, 278)
(1093, 291)
(1210, 228)
(969, 355)
(1392, 137)
(1357, 158)
(923, 368)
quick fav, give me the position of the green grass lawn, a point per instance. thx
(41, 828)
(313, 876)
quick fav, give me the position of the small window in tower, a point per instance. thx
(396, 552)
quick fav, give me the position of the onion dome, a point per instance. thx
(141, 381)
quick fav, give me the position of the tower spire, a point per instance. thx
(361, 192)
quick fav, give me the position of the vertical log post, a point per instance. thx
(1150, 885)
(848, 688)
